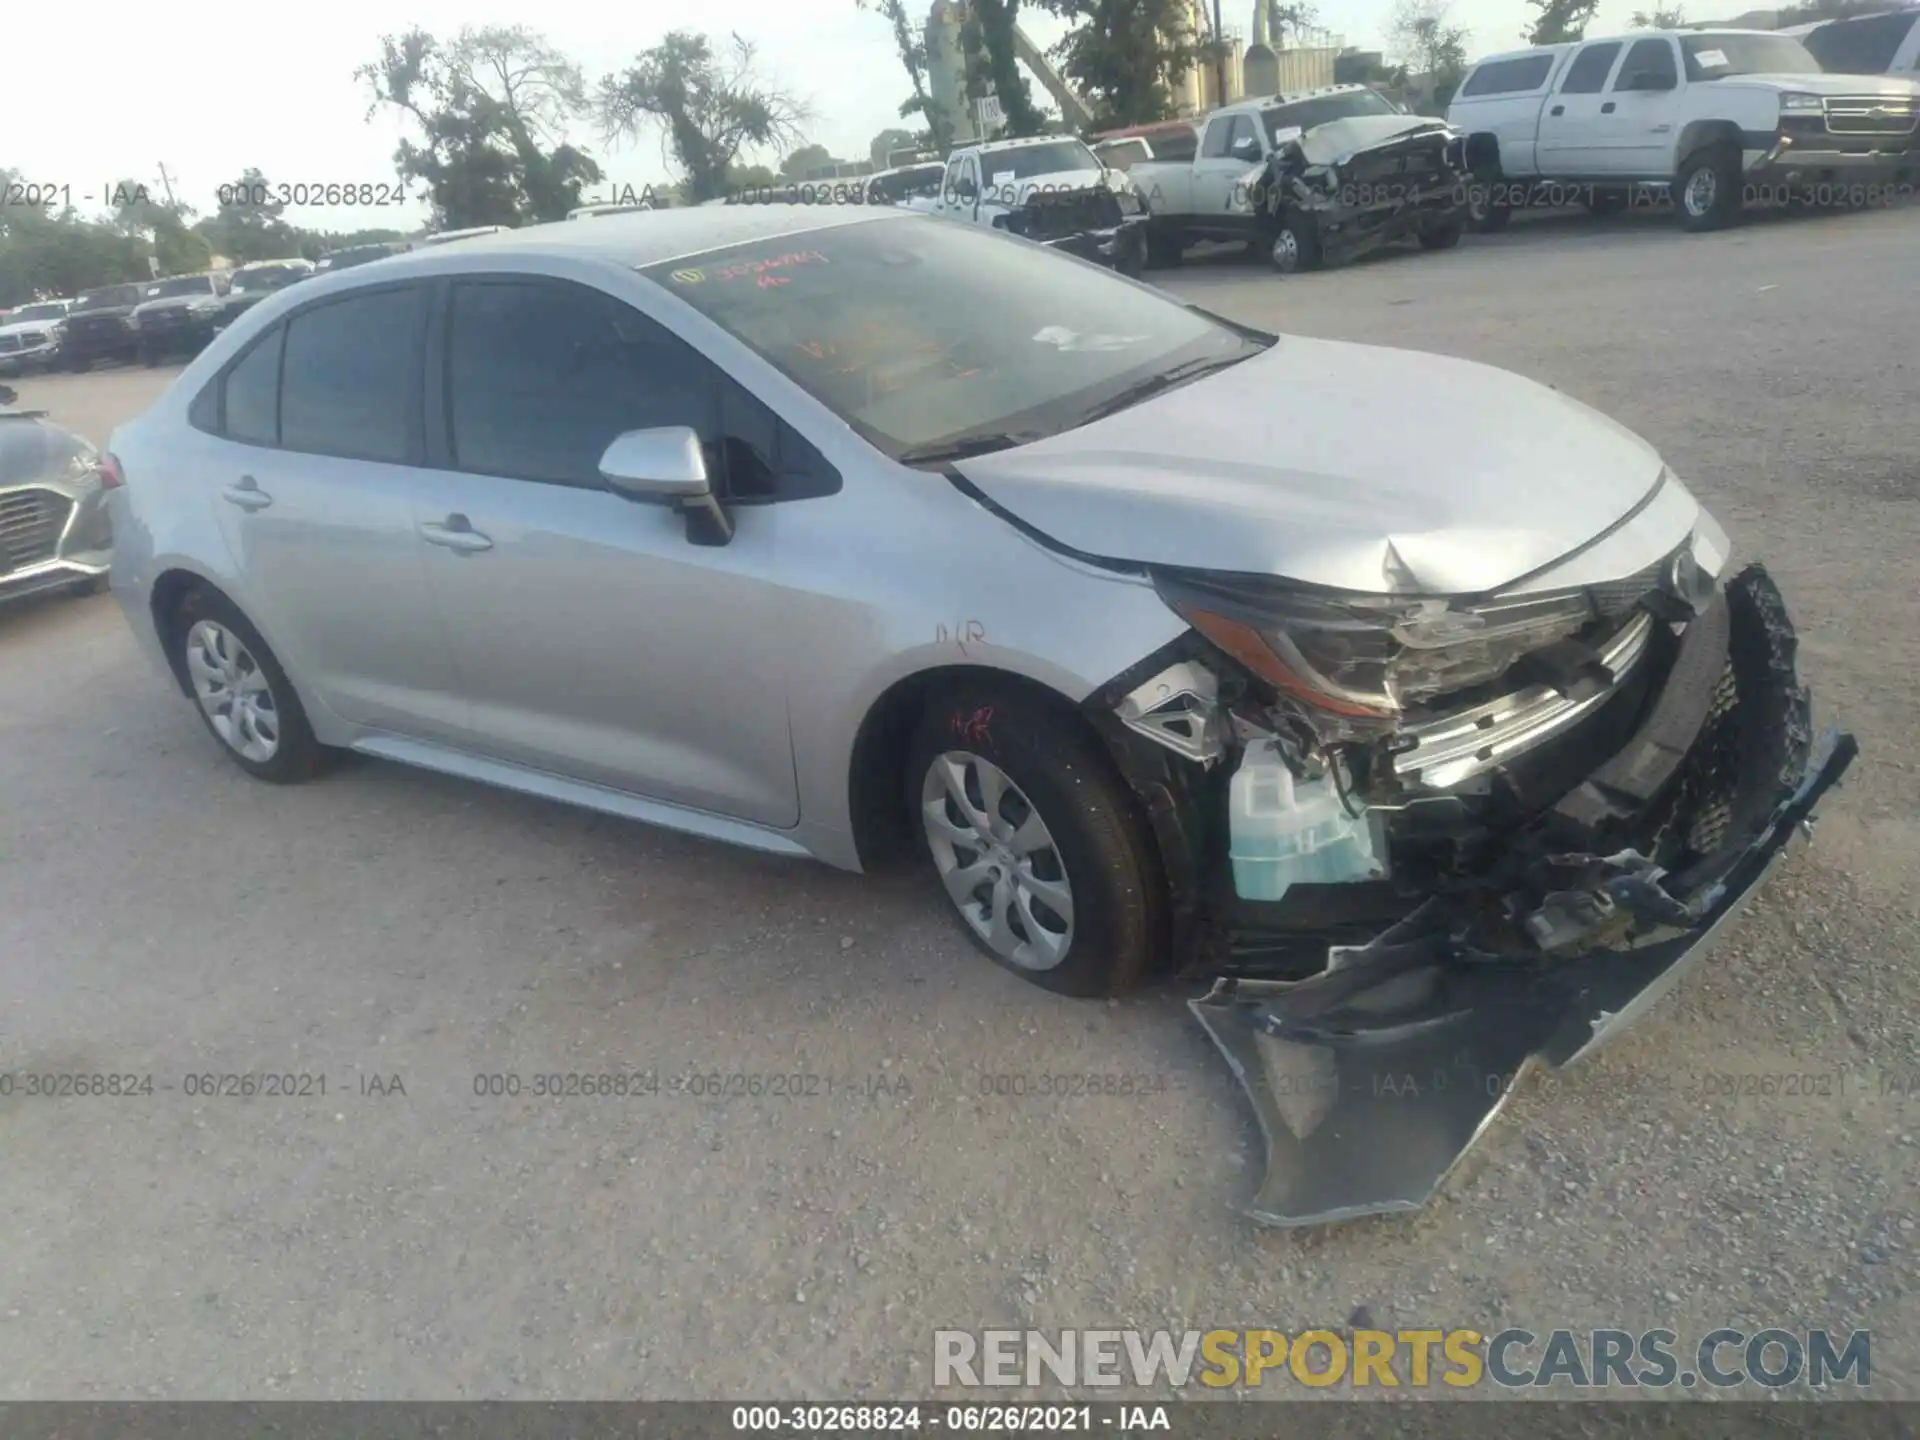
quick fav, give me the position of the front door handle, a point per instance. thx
(455, 533)
(1607, 109)
(247, 494)
(1558, 110)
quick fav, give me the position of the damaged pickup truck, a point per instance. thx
(1313, 177)
(1416, 706)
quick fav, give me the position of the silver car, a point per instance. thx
(1411, 701)
(55, 532)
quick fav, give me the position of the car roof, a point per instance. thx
(647, 237)
(1025, 142)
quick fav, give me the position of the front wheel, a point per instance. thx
(243, 695)
(1486, 217)
(1042, 850)
(1443, 236)
(1164, 247)
(1295, 246)
(1707, 189)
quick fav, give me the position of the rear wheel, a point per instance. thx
(1040, 846)
(1707, 189)
(244, 697)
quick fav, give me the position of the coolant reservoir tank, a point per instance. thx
(1285, 831)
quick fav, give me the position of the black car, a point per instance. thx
(176, 315)
(253, 283)
(97, 328)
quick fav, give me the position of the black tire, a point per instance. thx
(1483, 216)
(1100, 837)
(1132, 259)
(1603, 203)
(1164, 247)
(297, 756)
(1706, 192)
(149, 357)
(1443, 236)
(1293, 246)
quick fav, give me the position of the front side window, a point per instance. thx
(916, 332)
(1714, 56)
(1648, 66)
(252, 395)
(1214, 147)
(1588, 73)
(349, 377)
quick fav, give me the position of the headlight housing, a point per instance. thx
(1799, 102)
(1368, 657)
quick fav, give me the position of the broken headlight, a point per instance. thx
(1373, 656)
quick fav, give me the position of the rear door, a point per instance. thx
(317, 491)
(1570, 135)
(1636, 123)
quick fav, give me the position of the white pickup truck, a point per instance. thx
(1719, 118)
(1308, 176)
(1051, 189)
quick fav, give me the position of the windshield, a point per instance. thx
(882, 322)
(108, 299)
(1023, 162)
(270, 278)
(1122, 154)
(179, 285)
(36, 312)
(1714, 57)
(1308, 113)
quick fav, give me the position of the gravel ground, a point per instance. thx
(161, 914)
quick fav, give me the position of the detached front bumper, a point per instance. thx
(1378, 1028)
(1372, 1080)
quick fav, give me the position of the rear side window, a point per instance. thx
(1181, 144)
(1649, 66)
(349, 378)
(1508, 77)
(251, 399)
(1588, 73)
(1861, 47)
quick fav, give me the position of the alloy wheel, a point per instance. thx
(1286, 251)
(233, 691)
(1701, 190)
(998, 860)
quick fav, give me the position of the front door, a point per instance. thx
(591, 637)
(1636, 126)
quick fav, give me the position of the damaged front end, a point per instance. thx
(1361, 196)
(1423, 845)
(1105, 222)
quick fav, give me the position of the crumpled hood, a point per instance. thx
(1325, 144)
(1350, 466)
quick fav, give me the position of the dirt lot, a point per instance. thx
(161, 914)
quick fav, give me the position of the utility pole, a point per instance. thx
(167, 184)
(1219, 58)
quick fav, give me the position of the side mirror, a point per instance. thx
(1245, 148)
(666, 465)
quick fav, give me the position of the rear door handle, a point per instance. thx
(455, 533)
(1558, 110)
(247, 494)
(1607, 109)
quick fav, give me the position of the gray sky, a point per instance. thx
(210, 95)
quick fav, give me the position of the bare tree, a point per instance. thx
(709, 107)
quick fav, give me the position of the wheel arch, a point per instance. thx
(1481, 151)
(164, 598)
(876, 769)
(1703, 135)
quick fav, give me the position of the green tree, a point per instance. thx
(993, 65)
(492, 107)
(52, 253)
(1121, 55)
(1430, 46)
(1560, 20)
(1663, 17)
(710, 107)
(163, 224)
(248, 224)
(890, 140)
(799, 162)
(910, 40)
